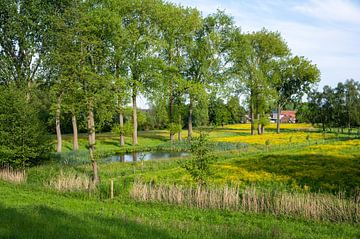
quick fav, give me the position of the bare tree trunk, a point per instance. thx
(190, 130)
(135, 123)
(135, 156)
(180, 125)
(172, 137)
(58, 128)
(75, 133)
(252, 130)
(122, 136)
(262, 129)
(91, 139)
(278, 119)
(258, 124)
(171, 114)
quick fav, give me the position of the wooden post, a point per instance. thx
(112, 189)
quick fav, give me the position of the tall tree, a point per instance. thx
(83, 50)
(177, 29)
(206, 58)
(252, 57)
(292, 78)
(23, 27)
(139, 23)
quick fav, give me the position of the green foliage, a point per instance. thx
(23, 136)
(199, 165)
(334, 107)
(128, 128)
(174, 128)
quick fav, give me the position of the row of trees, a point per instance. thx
(337, 107)
(90, 59)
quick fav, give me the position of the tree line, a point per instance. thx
(88, 60)
(337, 107)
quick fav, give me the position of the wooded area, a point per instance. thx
(77, 65)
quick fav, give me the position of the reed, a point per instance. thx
(13, 176)
(336, 208)
(66, 182)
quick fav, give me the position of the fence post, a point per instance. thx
(111, 189)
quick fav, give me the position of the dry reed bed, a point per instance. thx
(13, 176)
(308, 205)
(67, 182)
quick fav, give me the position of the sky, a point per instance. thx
(326, 32)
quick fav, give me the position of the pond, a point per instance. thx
(138, 156)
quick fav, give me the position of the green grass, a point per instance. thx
(31, 213)
(33, 210)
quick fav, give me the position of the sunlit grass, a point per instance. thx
(273, 138)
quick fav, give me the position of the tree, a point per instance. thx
(321, 107)
(23, 27)
(236, 111)
(292, 78)
(205, 60)
(140, 30)
(23, 136)
(218, 111)
(199, 165)
(83, 52)
(252, 57)
(352, 103)
(177, 27)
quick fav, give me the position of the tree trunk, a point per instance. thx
(258, 124)
(171, 114)
(58, 128)
(75, 133)
(252, 130)
(262, 129)
(172, 137)
(122, 136)
(91, 139)
(134, 155)
(135, 133)
(179, 133)
(190, 131)
(278, 119)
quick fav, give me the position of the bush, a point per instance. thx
(199, 166)
(23, 139)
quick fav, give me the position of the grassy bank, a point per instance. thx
(31, 213)
(288, 188)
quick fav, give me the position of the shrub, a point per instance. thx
(23, 139)
(174, 128)
(199, 165)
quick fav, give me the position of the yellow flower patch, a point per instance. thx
(301, 126)
(273, 138)
(235, 173)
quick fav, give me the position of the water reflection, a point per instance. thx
(133, 157)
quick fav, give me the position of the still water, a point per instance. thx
(133, 157)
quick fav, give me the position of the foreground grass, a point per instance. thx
(30, 213)
(54, 203)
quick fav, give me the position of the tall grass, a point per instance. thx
(66, 182)
(14, 176)
(307, 205)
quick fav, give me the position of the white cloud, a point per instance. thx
(331, 10)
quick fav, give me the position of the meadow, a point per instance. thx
(301, 183)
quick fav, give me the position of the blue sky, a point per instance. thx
(326, 32)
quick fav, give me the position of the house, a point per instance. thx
(286, 116)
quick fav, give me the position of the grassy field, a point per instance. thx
(54, 199)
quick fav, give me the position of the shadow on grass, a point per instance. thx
(153, 135)
(320, 172)
(46, 222)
